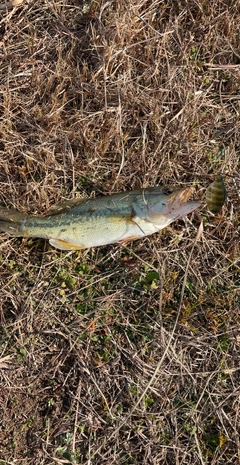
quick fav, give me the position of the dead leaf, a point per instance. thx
(5, 361)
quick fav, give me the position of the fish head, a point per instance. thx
(172, 205)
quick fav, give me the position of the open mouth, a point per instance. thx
(181, 196)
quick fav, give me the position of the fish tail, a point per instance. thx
(11, 221)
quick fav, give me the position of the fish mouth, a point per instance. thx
(181, 195)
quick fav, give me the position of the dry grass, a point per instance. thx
(103, 97)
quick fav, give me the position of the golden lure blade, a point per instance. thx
(216, 195)
(116, 218)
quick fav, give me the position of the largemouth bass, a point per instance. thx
(79, 224)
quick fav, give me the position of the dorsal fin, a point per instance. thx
(63, 206)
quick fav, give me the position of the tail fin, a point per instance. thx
(11, 221)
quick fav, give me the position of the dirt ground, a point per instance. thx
(120, 354)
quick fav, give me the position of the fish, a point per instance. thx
(216, 195)
(116, 218)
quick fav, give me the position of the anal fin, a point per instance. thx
(64, 245)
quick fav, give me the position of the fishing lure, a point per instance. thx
(216, 195)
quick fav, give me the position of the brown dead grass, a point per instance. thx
(104, 97)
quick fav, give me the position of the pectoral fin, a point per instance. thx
(119, 218)
(63, 245)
